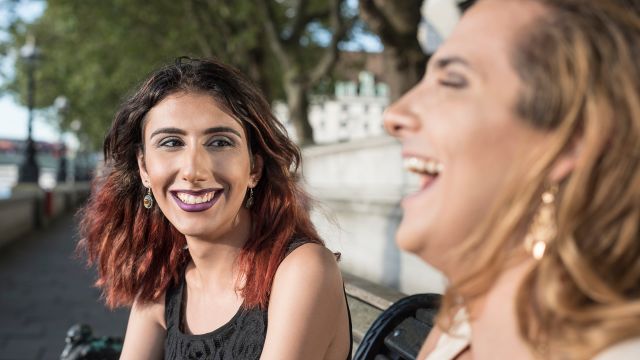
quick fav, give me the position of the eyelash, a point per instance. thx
(218, 140)
(454, 81)
(165, 142)
(175, 142)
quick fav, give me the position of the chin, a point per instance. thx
(190, 229)
(421, 244)
(409, 240)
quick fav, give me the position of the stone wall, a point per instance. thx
(17, 217)
(358, 187)
(30, 207)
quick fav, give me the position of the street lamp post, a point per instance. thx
(62, 106)
(29, 171)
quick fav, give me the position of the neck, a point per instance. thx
(495, 333)
(214, 257)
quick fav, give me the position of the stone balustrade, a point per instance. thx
(30, 207)
(358, 186)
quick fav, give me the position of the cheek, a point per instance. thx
(478, 158)
(232, 170)
(157, 167)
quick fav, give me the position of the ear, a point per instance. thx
(566, 162)
(256, 170)
(142, 168)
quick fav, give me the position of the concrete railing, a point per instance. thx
(358, 187)
(17, 217)
(31, 207)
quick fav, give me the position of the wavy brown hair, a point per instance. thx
(137, 252)
(581, 84)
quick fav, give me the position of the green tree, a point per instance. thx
(396, 23)
(95, 51)
(303, 67)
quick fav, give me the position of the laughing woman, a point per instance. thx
(199, 224)
(525, 132)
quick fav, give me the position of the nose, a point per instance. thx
(400, 119)
(194, 164)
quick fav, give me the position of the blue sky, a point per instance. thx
(13, 118)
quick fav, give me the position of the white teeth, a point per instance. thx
(191, 199)
(429, 167)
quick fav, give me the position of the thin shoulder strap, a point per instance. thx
(350, 355)
(172, 304)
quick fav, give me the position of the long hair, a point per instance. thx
(581, 84)
(137, 252)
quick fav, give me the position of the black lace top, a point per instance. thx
(242, 338)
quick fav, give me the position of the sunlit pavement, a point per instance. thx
(44, 289)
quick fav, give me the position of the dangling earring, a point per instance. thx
(147, 201)
(249, 202)
(543, 228)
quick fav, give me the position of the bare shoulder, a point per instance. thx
(308, 288)
(151, 312)
(309, 262)
(307, 307)
(146, 331)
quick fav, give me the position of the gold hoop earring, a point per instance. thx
(543, 228)
(147, 201)
(249, 202)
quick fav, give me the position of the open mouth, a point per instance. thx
(194, 201)
(427, 170)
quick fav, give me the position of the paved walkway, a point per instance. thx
(44, 290)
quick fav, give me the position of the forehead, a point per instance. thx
(188, 109)
(488, 32)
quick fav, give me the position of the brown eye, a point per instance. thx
(170, 143)
(220, 142)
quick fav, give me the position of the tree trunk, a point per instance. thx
(256, 69)
(396, 23)
(298, 103)
(404, 68)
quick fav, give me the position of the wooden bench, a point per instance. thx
(387, 325)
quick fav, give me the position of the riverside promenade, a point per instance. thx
(44, 289)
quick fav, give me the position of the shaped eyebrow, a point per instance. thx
(213, 130)
(442, 63)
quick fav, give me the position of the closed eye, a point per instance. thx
(453, 80)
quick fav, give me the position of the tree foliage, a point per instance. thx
(94, 52)
(304, 66)
(396, 23)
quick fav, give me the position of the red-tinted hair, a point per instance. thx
(137, 252)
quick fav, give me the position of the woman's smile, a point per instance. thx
(460, 136)
(197, 160)
(426, 169)
(196, 200)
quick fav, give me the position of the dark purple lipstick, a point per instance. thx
(196, 207)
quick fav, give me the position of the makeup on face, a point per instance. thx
(198, 163)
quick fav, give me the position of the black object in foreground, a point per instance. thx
(81, 345)
(400, 330)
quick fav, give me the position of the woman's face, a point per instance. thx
(460, 132)
(197, 162)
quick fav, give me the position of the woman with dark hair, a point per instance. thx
(198, 222)
(525, 137)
